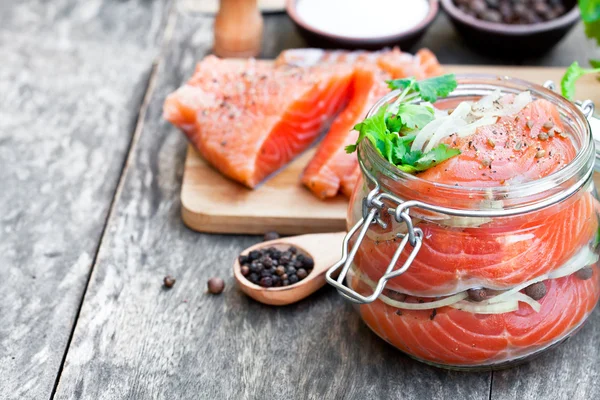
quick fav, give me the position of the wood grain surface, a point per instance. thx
(72, 79)
(70, 89)
(212, 203)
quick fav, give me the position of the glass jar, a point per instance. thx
(469, 277)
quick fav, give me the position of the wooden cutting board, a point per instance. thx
(213, 203)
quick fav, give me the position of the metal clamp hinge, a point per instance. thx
(373, 205)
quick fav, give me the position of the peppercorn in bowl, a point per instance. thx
(509, 28)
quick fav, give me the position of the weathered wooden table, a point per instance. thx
(89, 224)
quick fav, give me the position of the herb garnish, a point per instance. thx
(590, 14)
(393, 128)
(574, 72)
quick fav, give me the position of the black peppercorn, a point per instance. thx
(271, 236)
(168, 281)
(285, 282)
(536, 291)
(254, 255)
(293, 250)
(293, 279)
(216, 285)
(265, 272)
(477, 295)
(266, 281)
(584, 273)
(267, 261)
(308, 263)
(253, 277)
(245, 270)
(291, 270)
(280, 270)
(301, 273)
(254, 266)
(243, 259)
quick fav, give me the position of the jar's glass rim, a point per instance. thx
(480, 84)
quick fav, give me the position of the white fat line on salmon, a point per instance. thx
(507, 301)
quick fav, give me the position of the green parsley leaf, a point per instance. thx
(401, 83)
(429, 89)
(439, 86)
(373, 127)
(393, 129)
(438, 154)
(595, 63)
(574, 72)
(414, 116)
(411, 158)
(418, 162)
(590, 14)
(394, 123)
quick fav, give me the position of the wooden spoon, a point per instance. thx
(325, 250)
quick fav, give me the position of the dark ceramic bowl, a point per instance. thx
(318, 38)
(507, 40)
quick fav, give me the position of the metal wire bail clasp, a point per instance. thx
(373, 204)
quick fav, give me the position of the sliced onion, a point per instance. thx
(487, 102)
(424, 306)
(520, 102)
(580, 260)
(470, 129)
(452, 123)
(425, 133)
(465, 222)
(480, 308)
(522, 297)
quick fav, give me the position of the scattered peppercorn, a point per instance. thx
(477, 295)
(543, 136)
(584, 273)
(271, 236)
(536, 291)
(540, 153)
(270, 267)
(168, 281)
(392, 294)
(216, 285)
(529, 124)
(491, 142)
(548, 125)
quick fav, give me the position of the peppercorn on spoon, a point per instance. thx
(324, 248)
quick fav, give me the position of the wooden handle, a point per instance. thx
(238, 29)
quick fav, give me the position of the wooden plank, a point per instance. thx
(136, 340)
(213, 203)
(570, 372)
(72, 78)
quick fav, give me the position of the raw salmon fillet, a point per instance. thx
(331, 167)
(331, 170)
(501, 253)
(454, 337)
(248, 119)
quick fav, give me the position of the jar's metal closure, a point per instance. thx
(375, 203)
